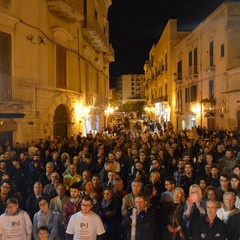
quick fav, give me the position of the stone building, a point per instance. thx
(54, 71)
(205, 72)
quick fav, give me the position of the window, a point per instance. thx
(190, 62)
(166, 66)
(222, 50)
(179, 70)
(61, 69)
(211, 46)
(211, 89)
(195, 61)
(5, 66)
(166, 88)
(86, 77)
(194, 93)
(179, 101)
(97, 83)
(187, 95)
(95, 14)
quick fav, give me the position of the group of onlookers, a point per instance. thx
(122, 185)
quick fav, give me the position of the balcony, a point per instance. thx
(160, 99)
(109, 55)
(93, 32)
(68, 10)
(15, 92)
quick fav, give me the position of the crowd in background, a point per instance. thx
(184, 184)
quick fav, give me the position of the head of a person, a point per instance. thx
(234, 181)
(211, 193)
(49, 167)
(155, 164)
(136, 187)
(180, 164)
(54, 177)
(154, 177)
(6, 186)
(118, 184)
(43, 233)
(141, 202)
(37, 188)
(229, 153)
(195, 193)
(229, 199)
(188, 168)
(86, 205)
(72, 169)
(74, 191)
(61, 190)
(214, 170)
(108, 194)
(86, 175)
(224, 180)
(149, 190)
(12, 206)
(178, 195)
(236, 170)
(96, 180)
(43, 203)
(87, 186)
(170, 183)
(88, 158)
(211, 208)
(202, 182)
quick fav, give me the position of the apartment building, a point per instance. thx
(54, 71)
(204, 73)
(131, 87)
(159, 73)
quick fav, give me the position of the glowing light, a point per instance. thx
(196, 108)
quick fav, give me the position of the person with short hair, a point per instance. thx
(45, 217)
(229, 199)
(210, 227)
(140, 217)
(89, 224)
(43, 233)
(15, 223)
(73, 204)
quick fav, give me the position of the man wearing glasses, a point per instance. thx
(85, 224)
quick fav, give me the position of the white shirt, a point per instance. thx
(85, 227)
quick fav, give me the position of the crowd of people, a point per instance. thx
(155, 184)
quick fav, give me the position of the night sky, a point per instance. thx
(135, 25)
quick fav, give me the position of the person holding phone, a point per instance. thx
(194, 209)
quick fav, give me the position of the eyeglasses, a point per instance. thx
(42, 204)
(85, 205)
(5, 187)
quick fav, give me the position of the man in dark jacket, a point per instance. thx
(141, 218)
(210, 227)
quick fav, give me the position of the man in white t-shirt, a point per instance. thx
(85, 225)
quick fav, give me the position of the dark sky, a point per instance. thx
(135, 25)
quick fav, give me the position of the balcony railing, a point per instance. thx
(69, 10)
(15, 89)
(95, 35)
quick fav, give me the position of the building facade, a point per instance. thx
(131, 87)
(54, 73)
(159, 73)
(206, 72)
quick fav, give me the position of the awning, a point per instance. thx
(210, 115)
(12, 115)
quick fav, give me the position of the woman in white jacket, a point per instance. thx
(15, 223)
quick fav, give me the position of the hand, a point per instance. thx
(170, 229)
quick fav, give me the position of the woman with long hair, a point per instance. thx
(194, 209)
(175, 229)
